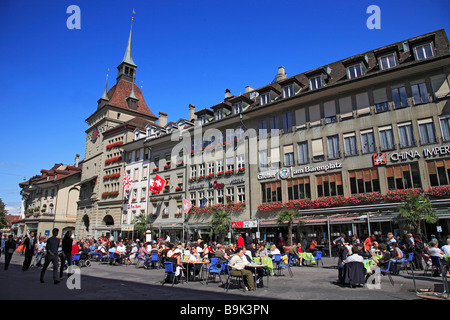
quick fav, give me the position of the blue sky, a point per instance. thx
(187, 52)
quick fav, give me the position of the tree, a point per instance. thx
(416, 209)
(289, 216)
(220, 224)
(3, 212)
(142, 224)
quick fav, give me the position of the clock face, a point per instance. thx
(95, 135)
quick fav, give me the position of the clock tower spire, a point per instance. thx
(127, 68)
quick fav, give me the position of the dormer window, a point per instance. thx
(265, 98)
(387, 61)
(237, 108)
(288, 91)
(423, 51)
(218, 114)
(202, 119)
(355, 71)
(315, 82)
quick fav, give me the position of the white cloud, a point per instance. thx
(13, 210)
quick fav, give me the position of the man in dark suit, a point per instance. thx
(29, 245)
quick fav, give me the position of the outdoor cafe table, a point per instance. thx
(307, 256)
(255, 265)
(264, 260)
(190, 263)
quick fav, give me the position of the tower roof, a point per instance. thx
(128, 57)
(121, 90)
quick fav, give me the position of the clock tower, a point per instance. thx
(120, 110)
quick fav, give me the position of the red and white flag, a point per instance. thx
(187, 205)
(157, 184)
(126, 181)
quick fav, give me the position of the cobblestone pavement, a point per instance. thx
(102, 281)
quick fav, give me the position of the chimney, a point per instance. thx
(77, 157)
(192, 115)
(281, 73)
(227, 94)
(162, 121)
(248, 89)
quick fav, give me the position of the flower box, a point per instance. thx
(192, 179)
(166, 189)
(179, 188)
(180, 164)
(229, 172)
(210, 176)
(167, 167)
(155, 169)
(219, 174)
(143, 199)
(201, 177)
(241, 171)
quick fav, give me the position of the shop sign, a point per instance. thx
(196, 186)
(414, 154)
(134, 206)
(127, 227)
(325, 168)
(216, 185)
(244, 224)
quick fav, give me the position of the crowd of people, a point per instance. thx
(41, 251)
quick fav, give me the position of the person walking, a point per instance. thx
(30, 246)
(52, 256)
(10, 247)
(66, 247)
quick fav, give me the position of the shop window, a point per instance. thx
(299, 188)
(404, 176)
(271, 191)
(439, 172)
(364, 181)
(329, 185)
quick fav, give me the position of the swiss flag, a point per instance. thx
(157, 184)
(186, 206)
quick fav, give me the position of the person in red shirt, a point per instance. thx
(240, 241)
(75, 248)
(368, 242)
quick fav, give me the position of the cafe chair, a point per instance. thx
(219, 269)
(318, 257)
(387, 271)
(154, 260)
(239, 279)
(112, 259)
(283, 265)
(214, 268)
(435, 265)
(276, 259)
(169, 273)
(354, 273)
(408, 264)
(139, 261)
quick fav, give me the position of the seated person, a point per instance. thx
(273, 251)
(262, 251)
(354, 256)
(434, 250)
(362, 251)
(384, 260)
(260, 271)
(237, 268)
(175, 258)
(220, 253)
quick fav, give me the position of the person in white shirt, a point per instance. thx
(237, 264)
(446, 248)
(434, 250)
(354, 256)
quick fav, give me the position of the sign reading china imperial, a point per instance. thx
(285, 173)
(414, 154)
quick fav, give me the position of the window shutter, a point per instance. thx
(440, 84)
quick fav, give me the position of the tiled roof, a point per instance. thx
(121, 90)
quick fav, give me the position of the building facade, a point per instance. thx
(49, 200)
(342, 143)
(120, 110)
